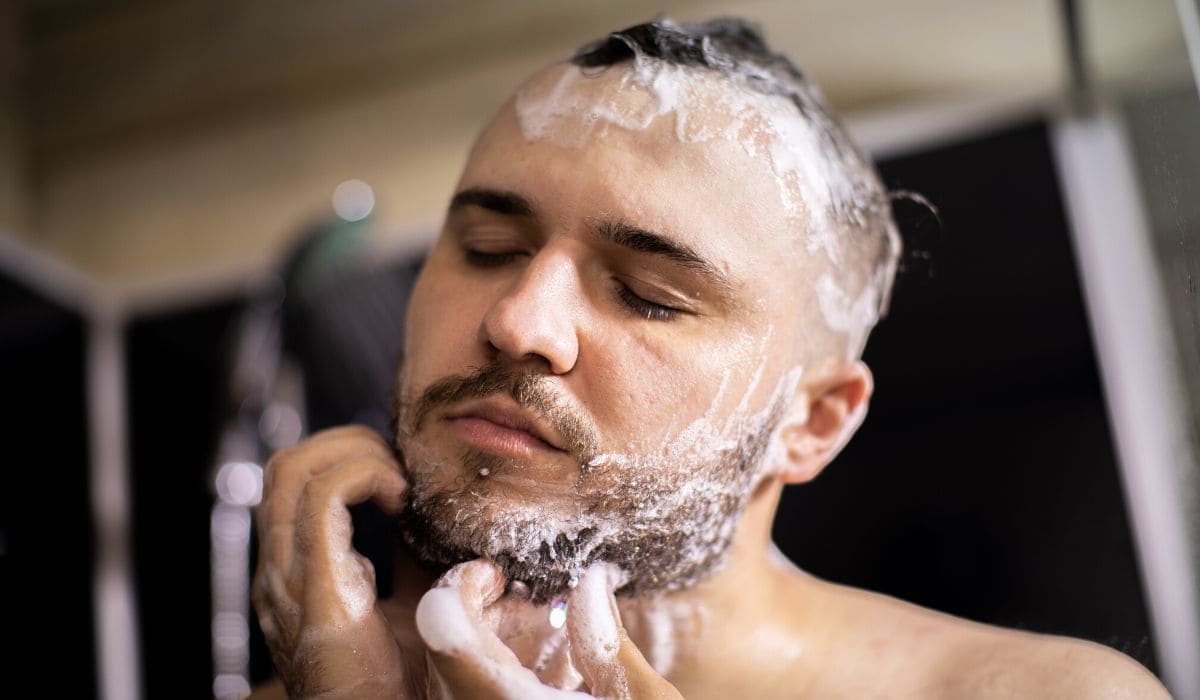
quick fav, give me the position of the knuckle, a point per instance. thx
(348, 432)
(366, 568)
(280, 460)
(316, 491)
(259, 597)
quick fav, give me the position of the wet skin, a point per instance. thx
(527, 273)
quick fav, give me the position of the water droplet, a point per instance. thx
(558, 613)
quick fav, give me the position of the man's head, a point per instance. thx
(660, 263)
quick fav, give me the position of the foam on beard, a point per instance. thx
(569, 106)
(666, 519)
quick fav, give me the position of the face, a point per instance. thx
(599, 347)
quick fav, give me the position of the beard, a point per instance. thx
(667, 520)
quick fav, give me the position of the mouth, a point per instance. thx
(502, 427)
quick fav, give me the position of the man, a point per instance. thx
(641, 320)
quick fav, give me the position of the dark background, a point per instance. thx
(983, 482)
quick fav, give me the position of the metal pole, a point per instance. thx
(117, 638)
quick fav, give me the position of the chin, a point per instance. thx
(668, 522)
(547, 548)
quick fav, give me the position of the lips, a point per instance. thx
(504, 427)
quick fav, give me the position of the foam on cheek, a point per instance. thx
(704, 437)
(761, 350)
(776, 453)
(716, 402)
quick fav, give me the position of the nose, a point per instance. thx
(536, 318)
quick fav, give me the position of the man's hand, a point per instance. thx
(459, 622)
(314, 594)
(329, 637)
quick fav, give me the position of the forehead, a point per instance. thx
(674, 149)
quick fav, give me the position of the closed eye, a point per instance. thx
(649, 310)
(483, 259)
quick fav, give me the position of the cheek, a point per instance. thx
(655, 390)
(442, 330)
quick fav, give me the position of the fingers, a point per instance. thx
(594, 630)
(469, 660)
(338, 581)
(308, 573)
(467, 656)
(289, 472)
(450, 615)
(479, 583)
(611, 664)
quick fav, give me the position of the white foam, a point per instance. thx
(817, 193)
(572, 110)
(443, 623)
(592, 628)
(446, 628)
(843, 314)
(353, 579)
(593, 625)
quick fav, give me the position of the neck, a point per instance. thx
(684, 633)
(687, 629)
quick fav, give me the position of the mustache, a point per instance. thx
(527, 388)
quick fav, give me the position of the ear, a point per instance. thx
(824, 415)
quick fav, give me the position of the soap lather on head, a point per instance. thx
(755, 132)
(641, 320)
(719, 80)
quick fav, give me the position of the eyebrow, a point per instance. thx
(643, 241)
(618, 232)
(499, 201)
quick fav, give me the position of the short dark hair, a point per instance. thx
(731, 46)
(735, 49)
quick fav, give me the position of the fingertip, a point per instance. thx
(442, 621)
(479, 582)
(486, 581)
(391, 496)
(593, 622)
(605, 575)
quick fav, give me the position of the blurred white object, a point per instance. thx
(353, 200)
(1141, 376)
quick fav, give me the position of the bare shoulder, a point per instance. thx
(996, 662)
(935, 655)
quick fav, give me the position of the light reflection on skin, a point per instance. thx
(665, 395)
(570, 107)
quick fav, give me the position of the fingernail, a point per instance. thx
(452, 578)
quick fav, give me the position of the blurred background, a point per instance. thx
(211, 211)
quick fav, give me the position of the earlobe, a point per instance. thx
(824, 416)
